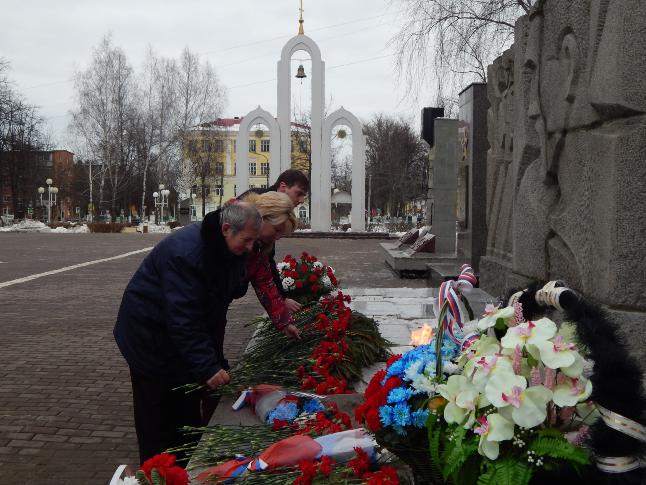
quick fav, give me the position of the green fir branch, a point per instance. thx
(506, 471)
(559, 449)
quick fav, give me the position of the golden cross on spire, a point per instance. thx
(300, 21)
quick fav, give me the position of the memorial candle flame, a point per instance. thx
(421, 336)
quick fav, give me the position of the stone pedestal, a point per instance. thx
(444, 185)
(185, 212)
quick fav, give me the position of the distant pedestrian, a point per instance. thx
(171, 323)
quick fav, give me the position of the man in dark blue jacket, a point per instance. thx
(172, 319)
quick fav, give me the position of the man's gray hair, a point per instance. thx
(239, 214)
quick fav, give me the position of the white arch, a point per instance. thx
(321, 219)
(258, 115)
(296, 43)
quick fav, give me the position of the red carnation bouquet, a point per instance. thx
(161, 469)
(306, 279)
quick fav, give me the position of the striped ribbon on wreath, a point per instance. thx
(449, 294)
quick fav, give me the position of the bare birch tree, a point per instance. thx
(201, 99)
(396, 163)
(450, 43)
(104, 115)
(21, 134)
(155, 119)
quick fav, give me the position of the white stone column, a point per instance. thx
(296, 43)
(344, 117)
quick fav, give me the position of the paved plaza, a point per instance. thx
(65, 397)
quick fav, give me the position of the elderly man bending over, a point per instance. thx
(172, 319)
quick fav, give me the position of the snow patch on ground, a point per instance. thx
(157, 228)
(29, 225)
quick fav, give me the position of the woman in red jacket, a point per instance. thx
(277, 211)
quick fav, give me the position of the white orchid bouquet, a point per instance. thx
(517, 412)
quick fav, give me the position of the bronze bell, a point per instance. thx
(300, 73)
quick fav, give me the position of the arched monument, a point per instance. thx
(344, 117)
(320, 138)
(252, 118)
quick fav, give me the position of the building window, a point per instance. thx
(207, 191)
(264, 145)
(218, 190)
(206, 146)
(264, 168)
(235, 190)
(252, 168)
(302, 213)
(6, 198)
(218, 168)
(252, 186)
(252, 145)
(263, 186)
(218, 146)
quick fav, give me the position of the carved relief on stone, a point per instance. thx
(578, 129)
(500, 134)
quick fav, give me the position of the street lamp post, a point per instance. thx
(51, 198)
(161, 199)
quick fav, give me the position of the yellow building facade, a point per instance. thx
(210, 153)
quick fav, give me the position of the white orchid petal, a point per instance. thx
(490, 449)
(502, 383)
(576, 369)
(533, 407)
(500, 429)
(454, 414)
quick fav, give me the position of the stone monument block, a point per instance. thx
(425, 244)
(410, 237)
(444, 185)
(566, 178)
(472, 174)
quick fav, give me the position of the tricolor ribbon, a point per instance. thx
(448, 294)
(290, 451)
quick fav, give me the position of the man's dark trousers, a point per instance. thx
(160, 412)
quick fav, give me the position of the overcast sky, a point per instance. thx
(46, 41)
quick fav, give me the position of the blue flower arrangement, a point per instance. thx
(416, 368)
(285, 411)
(290, 410)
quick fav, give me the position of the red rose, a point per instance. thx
(292, 264)
(313, 279)
(315, 288)
(299, 284)
(304, 268)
